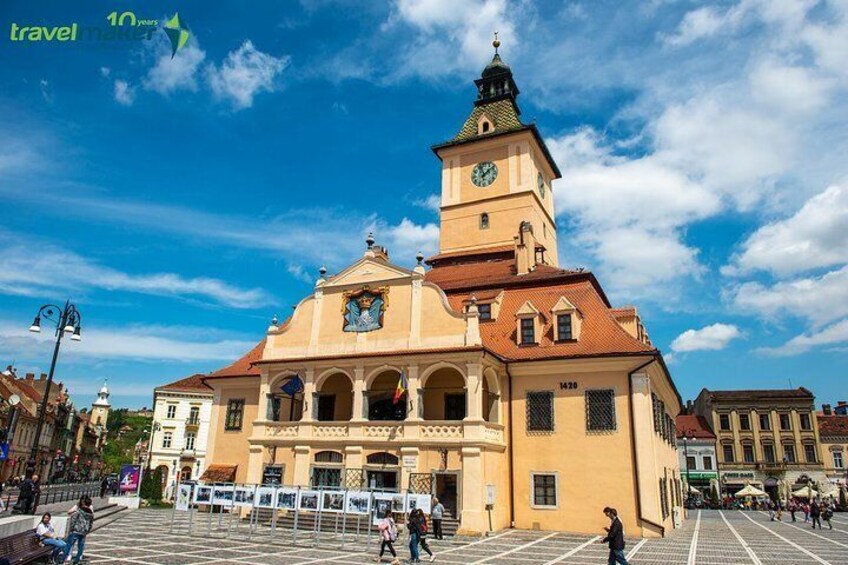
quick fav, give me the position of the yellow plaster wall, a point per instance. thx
(594, 469)
(231, 447)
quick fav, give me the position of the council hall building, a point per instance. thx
(528, 400)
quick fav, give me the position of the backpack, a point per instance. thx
(393, 531)
(81, 522)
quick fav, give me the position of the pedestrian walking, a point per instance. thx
(418, 521)
(779, 505)
(771, 511)
(47, 536)
(79, 525)
(26, 495)
(104, 486)
(806, 509)
(388, 536)
(815, 515)
(615, 538)
(792, 509)
(436, 515)
(827, 514)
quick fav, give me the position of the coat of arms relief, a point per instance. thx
(363, 309)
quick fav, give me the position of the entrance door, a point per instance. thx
(382, 480)
(446, 492)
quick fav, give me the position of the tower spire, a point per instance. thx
(496, 43)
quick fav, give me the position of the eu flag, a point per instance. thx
(293, 386)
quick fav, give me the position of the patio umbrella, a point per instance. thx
(805, 492)
(693, 490)
(749, 491)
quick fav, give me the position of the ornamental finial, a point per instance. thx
(370, 240)
(496, 43)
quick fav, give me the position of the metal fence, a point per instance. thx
(51, 494)
(290, 515)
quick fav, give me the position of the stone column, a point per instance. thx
(473, 514)
(358, 394)
(301, 465)
(415, 398)
(308, 395)
(473, 392)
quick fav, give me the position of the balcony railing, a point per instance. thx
(423, 431)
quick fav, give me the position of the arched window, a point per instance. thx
(382, 458)
(328, 457)
(484, 221)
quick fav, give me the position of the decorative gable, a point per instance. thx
(567, 320)
(368, 270)
(528, 324)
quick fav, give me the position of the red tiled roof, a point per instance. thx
(623, 311)
(692, 425)
(833, 425)
(763, 394)
(219, 474)
(242, 367)
(469, 254)
(600, 333)
(496, 273)
(192, 383)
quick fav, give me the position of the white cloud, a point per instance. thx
(124, 93)
(451, 36)
(244, 73)
(137, 343)
(708, 338)
(817, 299)
(31, 271)
(105, 71)
(432, 203)
(180, 73)
(407, 238)
(815, 236)
(835, 334)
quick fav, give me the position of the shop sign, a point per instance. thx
(738, 475)
(702, 475)
(410, 461)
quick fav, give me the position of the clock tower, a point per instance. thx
(496, 175)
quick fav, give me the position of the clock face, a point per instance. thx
(484, 173)
(541, 182)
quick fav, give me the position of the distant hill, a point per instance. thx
(124, 428)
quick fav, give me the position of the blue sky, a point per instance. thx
(181, 203)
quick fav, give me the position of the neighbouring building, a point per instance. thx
(70, 447)
(696, 446)
(494, 379)
(181, 414)
(767, 438)
(833, 433)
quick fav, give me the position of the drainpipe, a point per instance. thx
(633, 445)
(511, 452)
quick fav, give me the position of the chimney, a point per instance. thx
(42, 377)
(826, 410)
(30, 377)
(525, 249)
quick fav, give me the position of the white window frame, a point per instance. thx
(168, 410)
(193, 437)
(533, 475)
(169, 436)
(841, 459)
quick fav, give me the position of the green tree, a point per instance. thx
(151, 485)
(714, 496)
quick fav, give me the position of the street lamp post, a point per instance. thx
(69, 321)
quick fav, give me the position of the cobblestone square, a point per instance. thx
(708, 537)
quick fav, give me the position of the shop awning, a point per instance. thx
(749, 491)
(219, 474)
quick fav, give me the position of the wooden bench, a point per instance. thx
(24, 548)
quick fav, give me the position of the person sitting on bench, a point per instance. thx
(47, 536)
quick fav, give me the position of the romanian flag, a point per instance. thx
(402, 387)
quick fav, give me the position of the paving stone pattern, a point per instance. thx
(708, 537)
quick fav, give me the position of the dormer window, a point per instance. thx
(568, 321)
(528, 324)
(528, 331)
(485, 311)
(485, 125)
(484, 221)
(564, 327)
